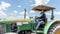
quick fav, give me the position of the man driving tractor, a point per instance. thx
(40, 19)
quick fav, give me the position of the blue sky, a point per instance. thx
(15, 8)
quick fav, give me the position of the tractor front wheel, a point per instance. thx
(27, 32)
(54, 29)
(24, 32)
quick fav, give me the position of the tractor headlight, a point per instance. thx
(25, 22)
(19, 23)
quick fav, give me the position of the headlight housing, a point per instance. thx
(21, 23)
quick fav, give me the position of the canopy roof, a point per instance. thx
(42, 7)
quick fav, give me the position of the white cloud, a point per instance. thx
(48, 13)
(2, 14)
(15, 12)
(16, 17)
(27, 17)
(19, 6)
(55, 13)
(3, 6)
(41, 2)
(32, 11)
(22, 12)
(32, 5)
(30, 1)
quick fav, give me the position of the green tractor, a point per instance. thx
(26, 26)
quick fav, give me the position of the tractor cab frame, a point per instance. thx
(42, 8)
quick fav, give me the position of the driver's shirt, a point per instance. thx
(42, 16)
(39, 18)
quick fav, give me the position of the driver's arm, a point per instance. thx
(40, 16)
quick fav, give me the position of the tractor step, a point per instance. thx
(36, 33)
(40, 29)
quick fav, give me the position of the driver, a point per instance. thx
(40, 19)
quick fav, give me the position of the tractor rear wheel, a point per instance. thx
(54, 29)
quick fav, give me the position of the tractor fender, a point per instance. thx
(47, 26)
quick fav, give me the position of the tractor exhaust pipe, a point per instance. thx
(24, 13)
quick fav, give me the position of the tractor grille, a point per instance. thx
(2, 28)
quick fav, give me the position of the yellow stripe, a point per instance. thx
(18, 20)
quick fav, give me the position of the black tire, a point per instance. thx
(54, 28)
(21, 32)
(24, 32)
(27, 32)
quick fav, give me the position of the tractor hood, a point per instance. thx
(22, 20)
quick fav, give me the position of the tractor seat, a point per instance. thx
(45, 20)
